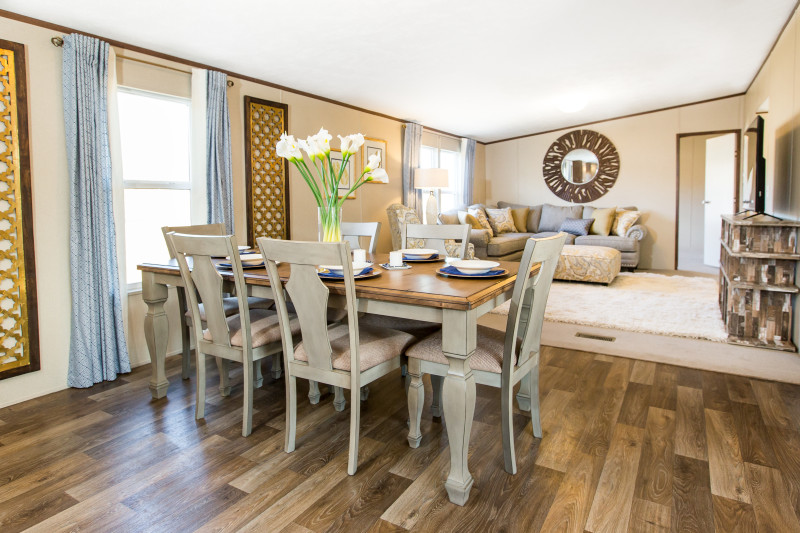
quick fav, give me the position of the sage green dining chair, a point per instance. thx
(341, 354)
(246, 337)
(230, 305)
(501, 359)
(448, 239)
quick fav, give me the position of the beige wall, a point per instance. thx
(647, 179)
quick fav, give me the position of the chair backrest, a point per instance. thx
(528, 301)
(351, 231)
(198, 229)
(435, 236)
(202, 279)
(309, 295)
(398, 214)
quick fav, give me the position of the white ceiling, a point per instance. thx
(487, 70)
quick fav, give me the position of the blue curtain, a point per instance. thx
(412, 146)
(466, 181)
(219, 176)
(98, 350)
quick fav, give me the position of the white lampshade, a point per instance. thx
(431, 178)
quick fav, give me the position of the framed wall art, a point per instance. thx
(267, 175)
(373, 146)
(19, 324)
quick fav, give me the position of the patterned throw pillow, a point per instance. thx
(576, 226)
(466, 218)
(603, 220)
(480, 214)
(501, 220)
(624, 221)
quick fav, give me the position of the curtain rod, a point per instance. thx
(59, 42)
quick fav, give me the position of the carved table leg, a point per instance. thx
(459, 330)
(156, 332)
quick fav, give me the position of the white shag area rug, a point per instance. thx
(677, 306)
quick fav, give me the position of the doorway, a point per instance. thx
(707, 188)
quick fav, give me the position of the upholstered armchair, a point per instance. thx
(399, 214)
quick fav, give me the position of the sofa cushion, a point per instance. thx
(576, 226)
(534, 215)
(520, 216)
(507, 243)
(544, 234)
(501, 220)
(555, 215)
(480, 214)
(603, 220)
(623, 244)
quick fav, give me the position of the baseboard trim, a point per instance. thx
(691, 353)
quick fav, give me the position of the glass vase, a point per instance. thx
(329, 221)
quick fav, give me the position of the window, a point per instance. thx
(155, 138)
(442, 152)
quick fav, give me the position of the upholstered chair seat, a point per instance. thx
(376, 346)
(264, 327)
(488, 354)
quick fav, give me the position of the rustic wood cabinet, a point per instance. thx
(757, 280)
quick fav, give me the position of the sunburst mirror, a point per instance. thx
(581, 166)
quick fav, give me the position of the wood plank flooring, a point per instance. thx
(628, 446)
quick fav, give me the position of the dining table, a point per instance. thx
(418, 292)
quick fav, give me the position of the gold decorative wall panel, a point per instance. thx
(267, 174)
(19, 332)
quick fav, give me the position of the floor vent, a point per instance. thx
(595, 337)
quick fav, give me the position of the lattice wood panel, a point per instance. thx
(19, 344)
(267, 174)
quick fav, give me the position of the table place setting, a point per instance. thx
(420, 255)
(472, 268)
(361, 270)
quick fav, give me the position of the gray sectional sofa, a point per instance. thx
(543, 221)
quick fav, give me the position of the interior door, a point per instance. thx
(720, 176)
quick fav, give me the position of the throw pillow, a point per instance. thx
(603, 220)
(624, 221)
(534, 215)
(466, 218)
(501, 220)
(576, 226)
(555, 215)
(480, 214)
(520, 216)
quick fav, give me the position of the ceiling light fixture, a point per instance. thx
(572, 103)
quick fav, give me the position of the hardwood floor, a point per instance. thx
(628, 446)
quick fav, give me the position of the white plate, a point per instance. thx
(474, 266)
(358, 268)
(242, 248)
(250, 259)
(418, 253)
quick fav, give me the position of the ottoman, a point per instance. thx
(598, 264)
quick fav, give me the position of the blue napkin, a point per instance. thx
(406, 258)
(341, 276)
(454, 270)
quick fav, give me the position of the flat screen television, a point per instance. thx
(754, 179)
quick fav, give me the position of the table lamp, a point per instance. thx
(433, 179)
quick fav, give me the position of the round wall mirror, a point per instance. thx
(581, 166)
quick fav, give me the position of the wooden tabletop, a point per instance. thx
(419, 285)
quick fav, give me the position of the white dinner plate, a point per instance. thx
(474, 266)
(418, 253)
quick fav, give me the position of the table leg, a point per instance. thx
(459, 330)
(156, 332)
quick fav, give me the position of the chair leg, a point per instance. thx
(364, 393)
(224, 379)
(291, 413)
(185, 353)
(247, 413)
(507, 414)
(200, 401)
(524, 394)
(416, 398)
(313, 392)
(437, 382)
(258, 378)
(276, 366)
(339, 402)
(355, 425)
(536, 420)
